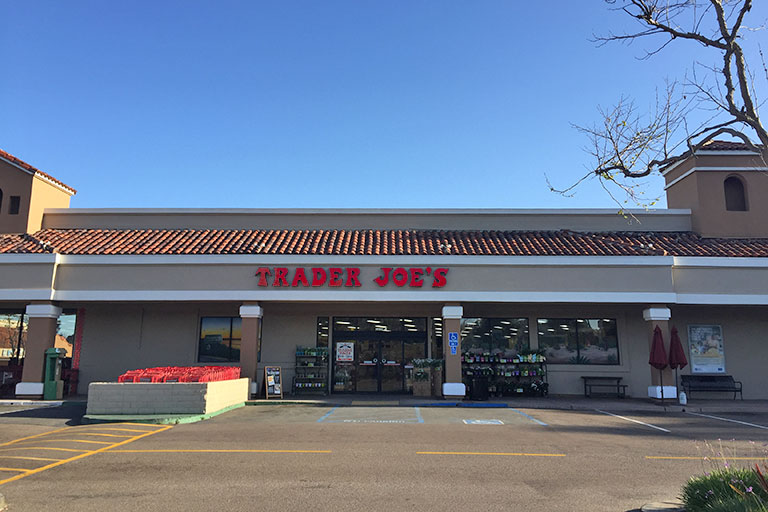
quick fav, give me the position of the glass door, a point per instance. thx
(367, 378)
(391, 366)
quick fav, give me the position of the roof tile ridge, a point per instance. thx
(609, 238)
(43, 245)
(21, 163)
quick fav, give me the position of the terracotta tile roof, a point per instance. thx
(25, 244)
(724, 145)
(384, 242)
(7, 156)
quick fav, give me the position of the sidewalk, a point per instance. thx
(562, 402)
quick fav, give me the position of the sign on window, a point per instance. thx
(345, 351)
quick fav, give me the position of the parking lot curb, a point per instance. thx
(308, 403)
(665, 506)
(157, 419)
(3, 503)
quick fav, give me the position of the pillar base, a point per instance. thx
(31, 390)
(655, 392)
(454, 390)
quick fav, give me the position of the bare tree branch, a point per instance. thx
(629, 144)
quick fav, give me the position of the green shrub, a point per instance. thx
(725, 490)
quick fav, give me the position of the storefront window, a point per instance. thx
(322, 331)
(579, 340)
(13, 337)
(220, 339)
(494, 336)
(437, 336)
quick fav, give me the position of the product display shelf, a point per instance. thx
(501, 375)
(311, 376)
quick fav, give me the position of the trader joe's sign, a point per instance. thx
(301, 277)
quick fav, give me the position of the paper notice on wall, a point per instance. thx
(705, 346)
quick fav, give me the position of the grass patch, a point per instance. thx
(726, 490)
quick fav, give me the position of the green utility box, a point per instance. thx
(53, 386)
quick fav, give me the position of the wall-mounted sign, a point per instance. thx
(300, 277)
(345, 351)
(453, 342)
(705, 346)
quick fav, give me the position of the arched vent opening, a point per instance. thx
(735, 195)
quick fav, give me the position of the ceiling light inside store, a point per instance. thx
(373, 321)
(505, 322)
(341, 322)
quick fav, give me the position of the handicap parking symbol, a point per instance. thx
(453, 342)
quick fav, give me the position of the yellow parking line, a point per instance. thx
(659, 457)
(103, 435)
(25, 458)
(82, 456)
(36, 435)
(220, 451)
(23, 447)
(123, 429)
(508, 454)
(57, 440)
(14, 469)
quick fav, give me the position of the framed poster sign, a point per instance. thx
(273, 382)
(345, 351)
(705, 345)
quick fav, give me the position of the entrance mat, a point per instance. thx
(375, 402)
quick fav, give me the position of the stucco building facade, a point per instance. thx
(583, 288)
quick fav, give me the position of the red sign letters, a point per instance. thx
(412, 277)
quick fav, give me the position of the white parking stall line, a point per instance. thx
(634, 421)
(729, 420)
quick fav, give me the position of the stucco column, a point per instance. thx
(659, 316)
(251, 341)
(41, 335)
(453, 387)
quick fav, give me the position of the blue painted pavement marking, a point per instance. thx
(418, 415)
(529, 417)
(483, 422)
(325, 416)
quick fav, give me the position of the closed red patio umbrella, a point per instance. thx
(676, 355)
(658, 358)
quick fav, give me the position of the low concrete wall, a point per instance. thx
(166, 398)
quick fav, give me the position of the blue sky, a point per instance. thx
(316, 104)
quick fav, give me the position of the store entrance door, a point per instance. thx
(380, 366)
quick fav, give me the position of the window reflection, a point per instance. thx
(220, 339)
(579, 340)
(494, 336)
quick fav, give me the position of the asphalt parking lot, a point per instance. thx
(369, 458)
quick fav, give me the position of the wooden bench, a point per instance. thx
(603, 382)
(713, 383)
